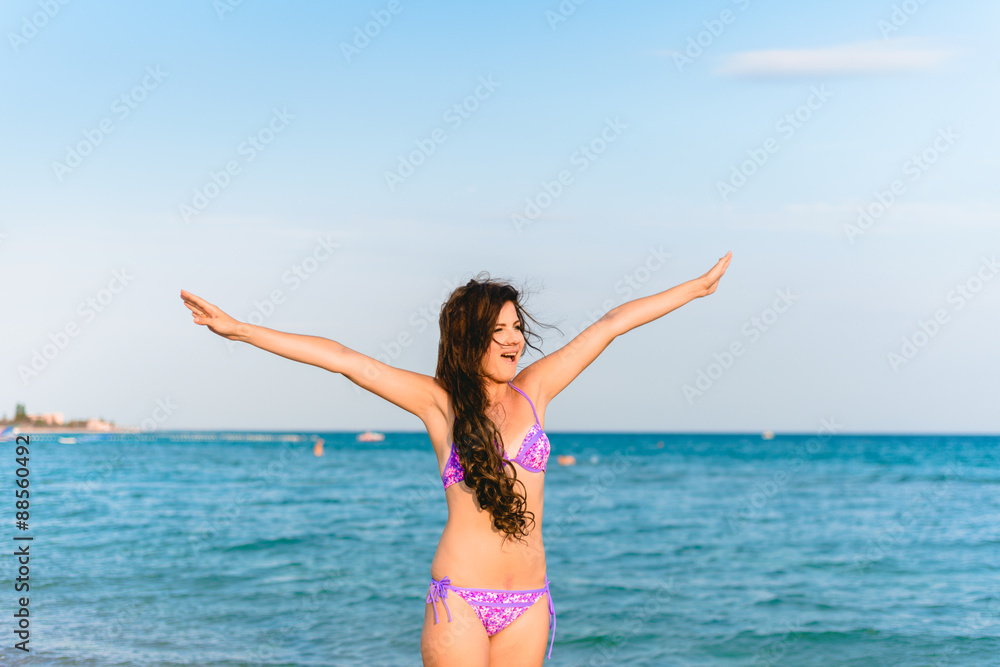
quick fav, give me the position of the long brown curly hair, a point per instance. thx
(467, 322)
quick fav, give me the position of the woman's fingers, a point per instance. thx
(713, 277)
(204, 313)
(193, 308)
(193, 300)
(720, 267)
(729, 258)
(197, 305)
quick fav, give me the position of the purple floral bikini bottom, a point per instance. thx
(496, 609)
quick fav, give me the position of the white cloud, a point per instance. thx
(875, 57)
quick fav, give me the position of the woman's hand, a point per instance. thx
(710, 280)
(211, 316)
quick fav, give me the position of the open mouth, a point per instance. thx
(510, 356)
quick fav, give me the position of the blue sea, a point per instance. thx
(224, 549)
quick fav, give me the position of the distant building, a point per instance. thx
(98, 425)
(48, 418)
(54, 420)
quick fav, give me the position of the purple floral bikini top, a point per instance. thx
(532, 455)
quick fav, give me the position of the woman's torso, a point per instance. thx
(471, 551)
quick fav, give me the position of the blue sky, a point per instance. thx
(215, 147)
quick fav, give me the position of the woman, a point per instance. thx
(490, 557)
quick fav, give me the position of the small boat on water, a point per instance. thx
(767, 435)
(67, 440)
(371, 436)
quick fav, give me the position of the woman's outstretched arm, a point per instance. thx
(414, 392)
(552, 373)
(637, 312)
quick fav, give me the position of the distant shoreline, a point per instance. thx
(69, 429)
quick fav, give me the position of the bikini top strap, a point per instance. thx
(529, 402)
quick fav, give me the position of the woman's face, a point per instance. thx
(507, 340)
